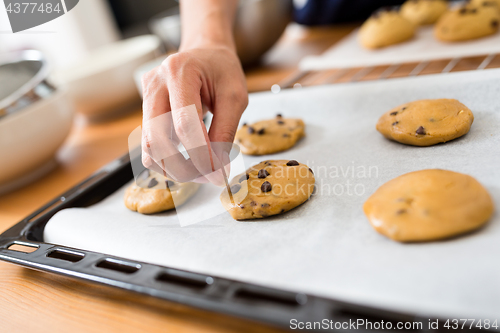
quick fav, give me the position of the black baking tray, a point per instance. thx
(272, 306)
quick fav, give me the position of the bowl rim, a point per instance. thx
(44, 102)
(31, 84)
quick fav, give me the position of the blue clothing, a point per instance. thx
(320, 12)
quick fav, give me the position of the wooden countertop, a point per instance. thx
(42, 302)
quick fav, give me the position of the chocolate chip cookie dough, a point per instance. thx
(468, 22)
(428, 205)
(426, 122)
(385, 28)
(153, 193)
(269, 136)
(423, 12)
(268, 188)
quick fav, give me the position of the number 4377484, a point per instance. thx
(32, 7)
(455, 324)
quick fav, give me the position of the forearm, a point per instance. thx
(207, 22)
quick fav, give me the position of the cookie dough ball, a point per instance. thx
(268, 188)
(385, 28)
(467, 22)
(428, 205)
(423, 12)
(269, 136)
(426, 122)
(153, 193)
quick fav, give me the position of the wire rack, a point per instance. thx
(357, 74)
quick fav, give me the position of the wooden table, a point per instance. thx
(42, 302)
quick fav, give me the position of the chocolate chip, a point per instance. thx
(292, 163)
(420, 131)
(395, 123)
(253, 203)
(169, 183)
(266, 187)
(404, 108)
(262, 173)
(311, 171)
(251, 130)
(462, 11)
(264, 205)
(401, 211)
(244, 124)
(244, 177)
(235, 188)
(242, 206)
(394, 113)
(152, 183)
(282, 210)
(494, 24)
(280, 122)
(267, 163)
(473, 11)
(286, 135)
(278, 115)
(261, 131)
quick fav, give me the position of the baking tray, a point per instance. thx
(205, 291)
(268, 305)
(349, 53)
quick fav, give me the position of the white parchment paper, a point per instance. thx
(424, 47)
(326, 246)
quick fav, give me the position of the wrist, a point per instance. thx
(206, 42)
(212, 27)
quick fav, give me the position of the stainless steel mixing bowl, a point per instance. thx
(259, 24)
(22, 80)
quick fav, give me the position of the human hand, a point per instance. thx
(204, 76)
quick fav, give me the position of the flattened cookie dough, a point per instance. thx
(269, 136)
(467, 22)
(268, 188)
(156, 193)
(385, 28)
(423, 12)
(426, 122)
(428, 205)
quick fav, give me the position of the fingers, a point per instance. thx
(159, 142)
(148, 161)
(173, 114)
(227, 113)
(184, 83)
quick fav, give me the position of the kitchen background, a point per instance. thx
(95, 23)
